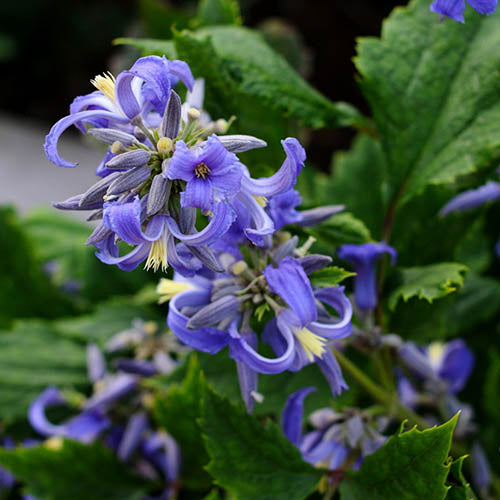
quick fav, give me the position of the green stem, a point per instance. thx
(388, 400)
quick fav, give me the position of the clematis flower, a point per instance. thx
(455, 9)
(364, 258)
(335, 436)
(85, 427)
(117, 102)
(209, 173)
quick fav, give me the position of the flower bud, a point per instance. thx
(130, 159)
(111, 136)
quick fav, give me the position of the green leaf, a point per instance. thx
(340, 229)
(258, 71)
(249, 459)
(150, 46)
(32, 357)
(434, 95)
(109, 318)
(409, 466)
(61, 239)
(75, 471)
(214, 12)
(24, 288)
(459, 487)
(477, 302)
(329, 276)
(428, 282)
(177, 411)
(358, 181)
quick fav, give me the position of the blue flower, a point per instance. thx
(364, 258)
(455, 9)
(85, 427)
(143, 89)
(335, 435)
(208, 173)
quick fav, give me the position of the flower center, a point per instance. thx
(170, 288)
(106, 84)
(201, 170)
(313, 344)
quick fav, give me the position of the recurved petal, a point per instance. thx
(339, 327)
(56, 131)
(290, 282)
(452, 8)
(209, 340)
(218, 225)
(291, 418)
(244, 352)
(285, 178)
(180, 69)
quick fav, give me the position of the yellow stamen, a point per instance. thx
(169, 288)
(239, 267)
(313, 344)
(436, 351)
(157, 255)
(201, 170)
(106, 84)
(261, 200)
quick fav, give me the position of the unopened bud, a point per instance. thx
(117, 147)
(130, 159)
(193, 114)
(54, 443)
(164, 145)
(221, 126)
(239, 267)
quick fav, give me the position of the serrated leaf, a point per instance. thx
(330, 276)
(216, 12)
(428, 282)
(434, 95)
(459, 487)
(249, 459)
(32, 357)
(75, 471)
(177, 412)
(409, 466)
(260, 72)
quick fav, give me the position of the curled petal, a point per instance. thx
(261, 224)
(483, 6)
(124, 219)
(52, 138)
(291, 419)
(219, 224)
(209, 340)
(247, 377)
(456, 365)
(132, 436)
(285, 178)
(243, 352)
(120, 386)
(94, 100)
(452, 8)
(331, 370)
(290, 282)
(180, 70)
(341, 327)
(108, 253)
(154, 71)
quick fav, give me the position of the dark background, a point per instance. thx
(49, 50)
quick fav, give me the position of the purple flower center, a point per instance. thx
(201, 170)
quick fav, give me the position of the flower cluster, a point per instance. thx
(164, 162)
(117, 411)
(338, 439)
